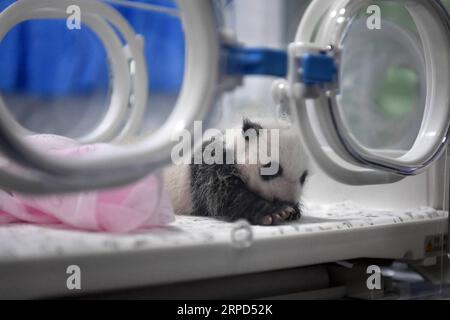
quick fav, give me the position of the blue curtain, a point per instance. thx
(45, 59)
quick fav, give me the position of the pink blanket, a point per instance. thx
(139, 205)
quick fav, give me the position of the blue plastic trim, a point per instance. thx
(317, 69)
(256, 61)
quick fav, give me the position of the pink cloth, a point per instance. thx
(135, 206)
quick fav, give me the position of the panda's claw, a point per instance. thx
(267, 220)
(277, 218)
(295, 213)
(285, 214)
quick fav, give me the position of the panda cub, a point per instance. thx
(240, 191)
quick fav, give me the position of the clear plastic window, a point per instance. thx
(383, 80)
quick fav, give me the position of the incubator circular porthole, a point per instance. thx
(73, 62)
(383, 80)
(131, 73)
(381, 111)
(49, 79)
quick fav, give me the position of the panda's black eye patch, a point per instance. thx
(303, 178)
(278, 173)
(250, 128)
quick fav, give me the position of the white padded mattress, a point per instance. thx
(34, 259)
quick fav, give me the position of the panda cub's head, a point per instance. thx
(281, 167)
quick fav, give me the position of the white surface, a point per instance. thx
(33, 259)
(411, 192)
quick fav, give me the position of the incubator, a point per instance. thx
(366, 83)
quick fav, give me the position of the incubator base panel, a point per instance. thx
(34, 259)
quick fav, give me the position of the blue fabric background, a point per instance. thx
(46, 59)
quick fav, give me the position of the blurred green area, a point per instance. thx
(446, 3)
(396, 94)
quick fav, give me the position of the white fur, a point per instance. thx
(177, 182)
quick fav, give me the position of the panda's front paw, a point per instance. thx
(286, 214)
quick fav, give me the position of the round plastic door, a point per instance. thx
(128, 160)
(385, 114)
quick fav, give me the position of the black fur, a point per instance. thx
(248, 124)
(303, 178)
(219, 191)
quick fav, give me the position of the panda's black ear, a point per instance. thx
(247, 125)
